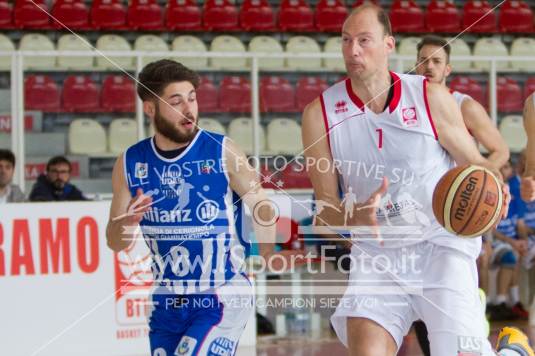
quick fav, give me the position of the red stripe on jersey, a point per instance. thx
(428, 110)
(397, 92)
(356, 100)
(325, 122)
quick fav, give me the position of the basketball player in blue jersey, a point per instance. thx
(396, 125)
(180, 187)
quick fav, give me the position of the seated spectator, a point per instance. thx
(54, 185)
(508, 247)
(9, 192)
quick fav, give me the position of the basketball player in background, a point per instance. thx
(197, 308)
(394, 124)
(527, 185)
(433, 62)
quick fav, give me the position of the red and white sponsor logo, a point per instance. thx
(409, 117)
(340, 107)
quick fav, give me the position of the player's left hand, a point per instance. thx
(527, 188)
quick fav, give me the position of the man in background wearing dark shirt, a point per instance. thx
(54, 185)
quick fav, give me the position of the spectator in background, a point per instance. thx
(54, 185)
(9, 193)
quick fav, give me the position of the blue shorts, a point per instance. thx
(201, 324)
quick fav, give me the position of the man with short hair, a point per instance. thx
(9, 192)
(376, 127)
(54, 184)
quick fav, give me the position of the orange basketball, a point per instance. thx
(467, 200)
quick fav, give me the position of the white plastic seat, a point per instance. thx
(284, 137)
(408, 47)
(490, 46)
(334, 45)
(188, 43)
(122, 134)
(523, 46)
(74, 43)
(5, 45)
(151, 43)
(37, 42)
(240, 130)
(266, 44)
(226, 43)
(212, 125)
(303, 44)
(512, 130)
(460, 48)
(114, 43)
(86, 137)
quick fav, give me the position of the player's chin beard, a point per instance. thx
(170, 131)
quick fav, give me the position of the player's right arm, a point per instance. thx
(527, 188)
(126, 211)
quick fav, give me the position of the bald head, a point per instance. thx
(374, 10)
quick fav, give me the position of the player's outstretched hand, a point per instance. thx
(366, 213)
(527, 188)
(139, 205)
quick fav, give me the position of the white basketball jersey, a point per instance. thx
(400, 143)
(459, 97)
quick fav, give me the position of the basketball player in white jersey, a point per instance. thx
(385, 131)
(527, 187)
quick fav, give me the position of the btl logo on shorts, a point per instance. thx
(221, 347)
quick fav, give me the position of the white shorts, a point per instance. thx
(439, 287)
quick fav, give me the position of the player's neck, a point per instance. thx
(373, 91)
(166, 144)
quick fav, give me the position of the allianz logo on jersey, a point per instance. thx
(155, 214)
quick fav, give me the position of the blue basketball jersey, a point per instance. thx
(190, 226)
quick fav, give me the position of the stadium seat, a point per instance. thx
(220, 15)
(490, 46)
(80, 94)
(303, 44)
(73, 14)
(212, 125)
(207, 96)
(79, 131)
(330, 15)
(5, 45)
(144, 15)
(295, 176)
(408, 47)
(74, 43)
(28, 16)
(6, 15)
(406, 16)
(108, 15)
(276, 95)
(151, 43)
(470, 86)
(284, 137)
(308, 89)
(460, 48)
(118, 94)
(529, 87)
(226, 43)
(183, 15)
(257, 15)
(114, 43)
(442, 16)
(334, 45)
(122, 134)
(296, 15)
(235, 94)
(478, 17)
(516, 16)
(267, 44)
(512, 130)
(37, 42)
(509, 95)
(41, 93)
(523, 46)
(240, 130)
(188, 43)
(360, 2)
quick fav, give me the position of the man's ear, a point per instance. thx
(149, 108)
(448, 69)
